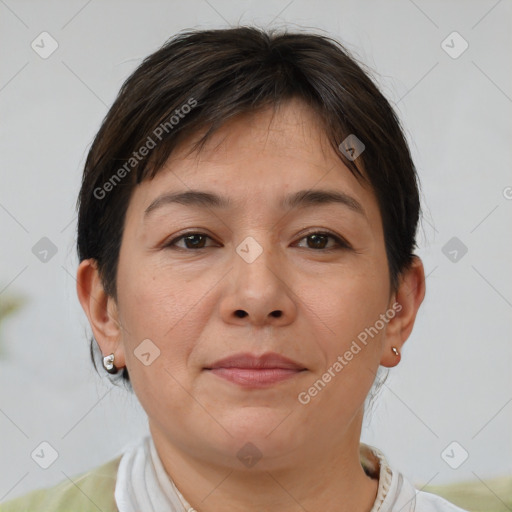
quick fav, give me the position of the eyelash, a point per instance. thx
(340, 242)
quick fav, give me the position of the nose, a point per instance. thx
(258, 291)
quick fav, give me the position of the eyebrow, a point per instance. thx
(300, 199)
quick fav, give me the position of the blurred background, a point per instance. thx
(444, 415)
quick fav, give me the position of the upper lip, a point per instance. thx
(247, 360)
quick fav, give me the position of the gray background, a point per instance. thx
(454, 382)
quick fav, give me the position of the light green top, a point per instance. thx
(92, 491)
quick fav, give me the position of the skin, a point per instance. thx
(185, 301)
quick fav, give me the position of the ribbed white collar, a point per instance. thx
(143, 484)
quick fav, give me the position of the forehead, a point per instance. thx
(257, 158)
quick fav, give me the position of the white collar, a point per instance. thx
(143, 484)
(395, 492)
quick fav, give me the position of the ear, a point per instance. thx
(405, 302)
(101, 310)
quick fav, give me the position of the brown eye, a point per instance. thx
(320, 241)
(191, 241)
(315, 241)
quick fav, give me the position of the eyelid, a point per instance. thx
(341, 243)
(170, 242)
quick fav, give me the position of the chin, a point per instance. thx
(271, 430)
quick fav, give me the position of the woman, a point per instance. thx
(246, 238)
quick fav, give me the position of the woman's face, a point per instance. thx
(261, 272)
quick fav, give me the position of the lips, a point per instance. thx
(250, 370)
(250, 361)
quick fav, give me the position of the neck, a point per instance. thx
(320, 478)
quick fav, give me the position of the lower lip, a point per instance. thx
(252, 377)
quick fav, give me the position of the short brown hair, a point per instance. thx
(198, 80)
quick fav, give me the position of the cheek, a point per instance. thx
(156, 305)
(171, 309)
(347, 303)
(156, 299)
(350, 355)
(352, 310)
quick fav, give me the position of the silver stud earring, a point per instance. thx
(395, 351)
(108, 363)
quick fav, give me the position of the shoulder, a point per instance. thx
(428, 502)
(396, 492)
(477, 495)
(89, 491)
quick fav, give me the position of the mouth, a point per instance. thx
(249, 370)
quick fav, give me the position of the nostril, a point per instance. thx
(240, 313)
